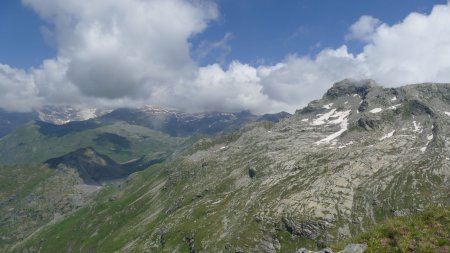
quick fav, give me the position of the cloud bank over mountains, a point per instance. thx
(120, 53)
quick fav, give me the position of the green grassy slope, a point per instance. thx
(32, 195)
(112, 222)
(428, 231)
(121, 141)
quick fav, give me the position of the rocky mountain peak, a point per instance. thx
(92, 167)
(349, 87)
(63, 114)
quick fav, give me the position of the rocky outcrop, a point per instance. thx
(350, 87)
(363, 106)
(369, 122)
(308, 229)
(252, 172)
(351, 248)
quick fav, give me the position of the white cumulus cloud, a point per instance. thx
(114, 48)
(17, 89)
(118, 53)
(364, 28)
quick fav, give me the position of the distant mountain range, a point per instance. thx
(171, 121)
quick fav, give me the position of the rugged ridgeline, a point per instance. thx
(170, 121)
(356, 157)
(123, 134)
(58, 115)
(182, 124)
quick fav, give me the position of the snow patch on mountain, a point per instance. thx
(88, 113)
(417, 127)
(64, 114)
(331, 117)
(323, 118)
(339, 117)
(388, 135)
(394, 107)
(343, 120)
(345, 145)
(376, 110)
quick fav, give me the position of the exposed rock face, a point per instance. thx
(350, 87)
(351, 248)
(277, 117)
(354, 248)
(308, 229)
(363, 106)
(252, 172)
(323, 175)
(368, 122)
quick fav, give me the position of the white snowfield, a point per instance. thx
(323, 118)
(394, 106)
(376, 110)
(388, 135)
(88, 113)
(447, 113)
(331, 117)
(342, 120)
(394, 99)
(417, 127)
(328, 106)
(429, 138)
(345, 145)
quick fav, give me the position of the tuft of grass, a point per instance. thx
(428, 231)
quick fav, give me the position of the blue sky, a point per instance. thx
(213, 55)
(270, 29)
(262, 30)
(21, 42)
